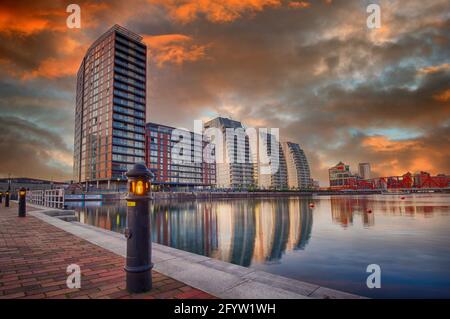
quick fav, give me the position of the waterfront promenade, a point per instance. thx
(35, 252)
(34, 256)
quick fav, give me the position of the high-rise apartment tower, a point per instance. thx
(110, 107)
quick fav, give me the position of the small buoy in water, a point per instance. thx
(311, 205)
(403, 197)
(369, 211)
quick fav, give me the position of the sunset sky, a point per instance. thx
(311, 68)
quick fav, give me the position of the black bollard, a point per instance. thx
(22, 202)
(7, 199)
(1, 197)
(138, 265)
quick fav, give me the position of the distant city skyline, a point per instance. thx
(341, 91)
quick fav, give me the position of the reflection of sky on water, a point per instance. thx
(408, 238)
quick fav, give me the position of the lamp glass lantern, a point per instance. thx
(139, 181)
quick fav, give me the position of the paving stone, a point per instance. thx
(35, 255)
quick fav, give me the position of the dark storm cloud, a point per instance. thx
(44, 105)
(32, 151)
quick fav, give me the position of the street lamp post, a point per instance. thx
(7, 198)
(138, 261)
(22, 202)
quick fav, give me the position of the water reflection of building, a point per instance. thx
(281, 231)
(392, 205)
(300, 221)
(236, 231)
(253, 230)
(189, 226)
(281, 225)
(225, 229)
(344, 208)
(264, 222)
(243, 240)
(239, 231)
(106, 217)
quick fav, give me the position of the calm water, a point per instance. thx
(330, 244)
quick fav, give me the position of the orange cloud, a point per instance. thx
(422, 164)
(299, 4)
(220, 11)
(30, 21)
(406, 155)
(34, 17)
(66, 63)
(434, 68)
(396, 167)
(443, 96)
(174, 48)
(383, 144)
(22, 21)
(53, 68)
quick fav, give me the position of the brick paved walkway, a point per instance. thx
(34, 257)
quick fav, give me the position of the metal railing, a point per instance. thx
(53, 198)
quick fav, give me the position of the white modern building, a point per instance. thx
(234, 161)
(298, 172)
(272, 169)
(256, 158)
